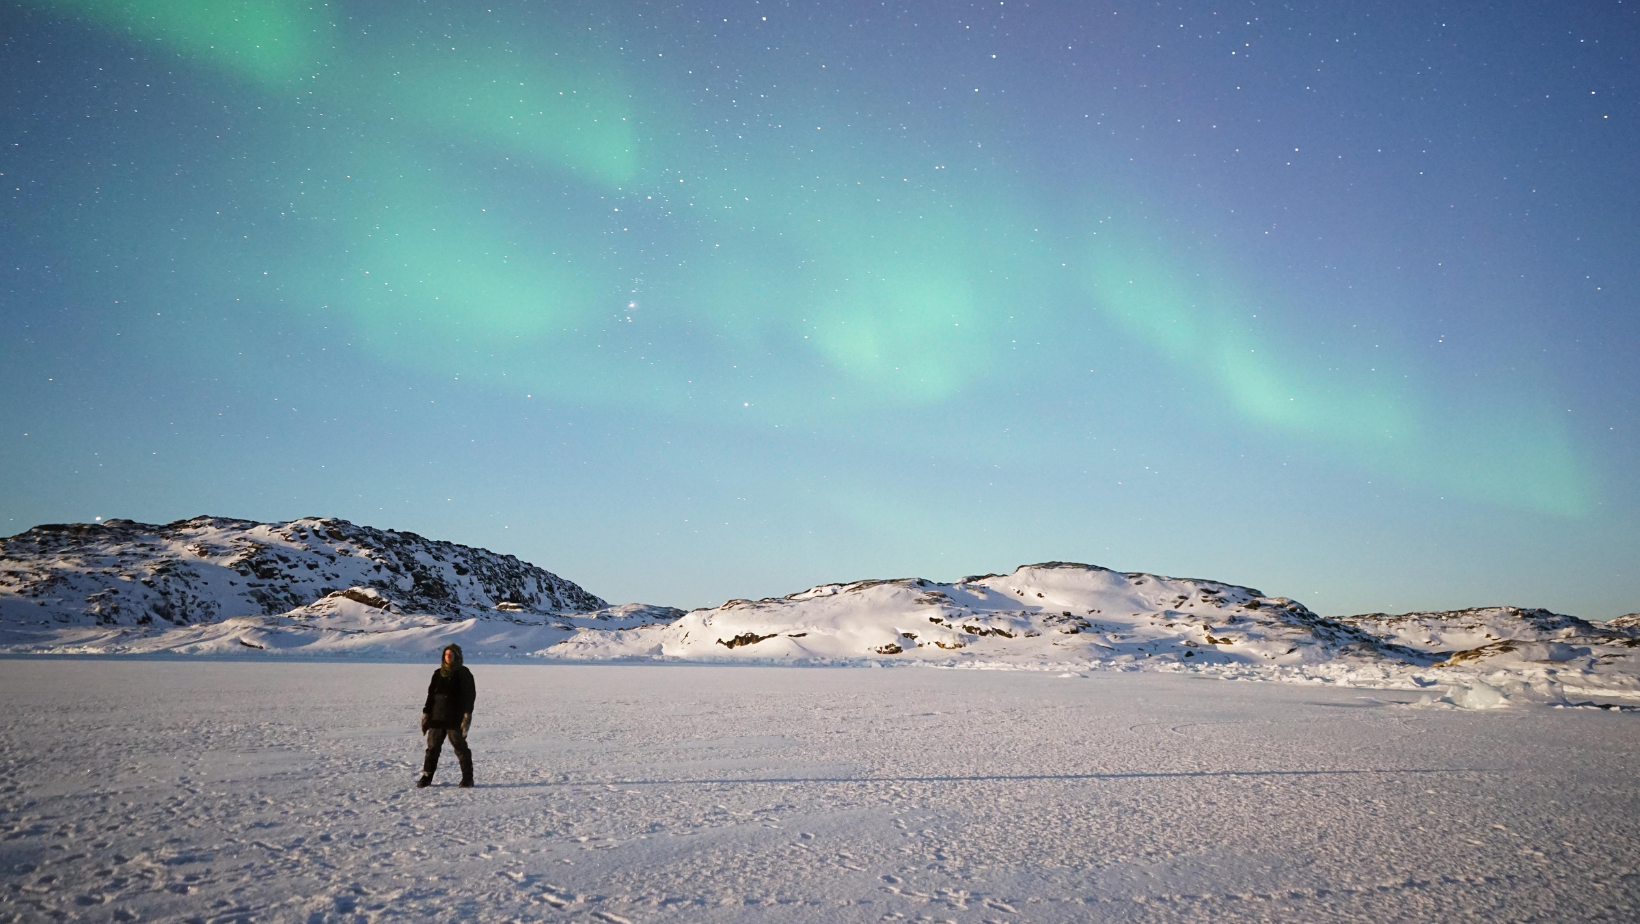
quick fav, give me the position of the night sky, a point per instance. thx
(695, 301)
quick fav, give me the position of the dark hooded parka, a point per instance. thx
(451, 693)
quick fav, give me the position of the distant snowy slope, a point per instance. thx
(1061, 616)
(208, 569)
(1052, 612)
(1495, 634)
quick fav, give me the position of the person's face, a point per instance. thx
(449, 656)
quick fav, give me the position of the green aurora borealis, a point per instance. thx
(735, 220)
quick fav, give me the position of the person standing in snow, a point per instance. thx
(448, 713)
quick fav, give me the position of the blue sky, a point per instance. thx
(693, 302)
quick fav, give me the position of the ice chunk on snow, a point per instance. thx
(1476, 695)
(1500, 693)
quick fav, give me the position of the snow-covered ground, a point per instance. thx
(189, 789)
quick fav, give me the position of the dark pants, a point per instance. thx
(458, 743)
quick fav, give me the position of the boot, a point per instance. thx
(466, 770)
(428, 765)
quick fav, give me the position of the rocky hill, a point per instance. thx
(1481, 635)
(1063, 616)
(1051, 612)
(326, 587)
(207, 569)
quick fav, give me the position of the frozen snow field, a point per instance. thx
(175, 790)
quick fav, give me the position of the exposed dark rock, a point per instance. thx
(747, 638)
(370, 596)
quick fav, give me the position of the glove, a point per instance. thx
(424, 723)
(466, 721)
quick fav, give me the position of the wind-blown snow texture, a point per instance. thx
(177, 790)
(327, 587)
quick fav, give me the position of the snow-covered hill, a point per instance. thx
(1496, 635)
(121, 573)
(1056, 612)
(328, 587)
(313, 587)
(1059, 615)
